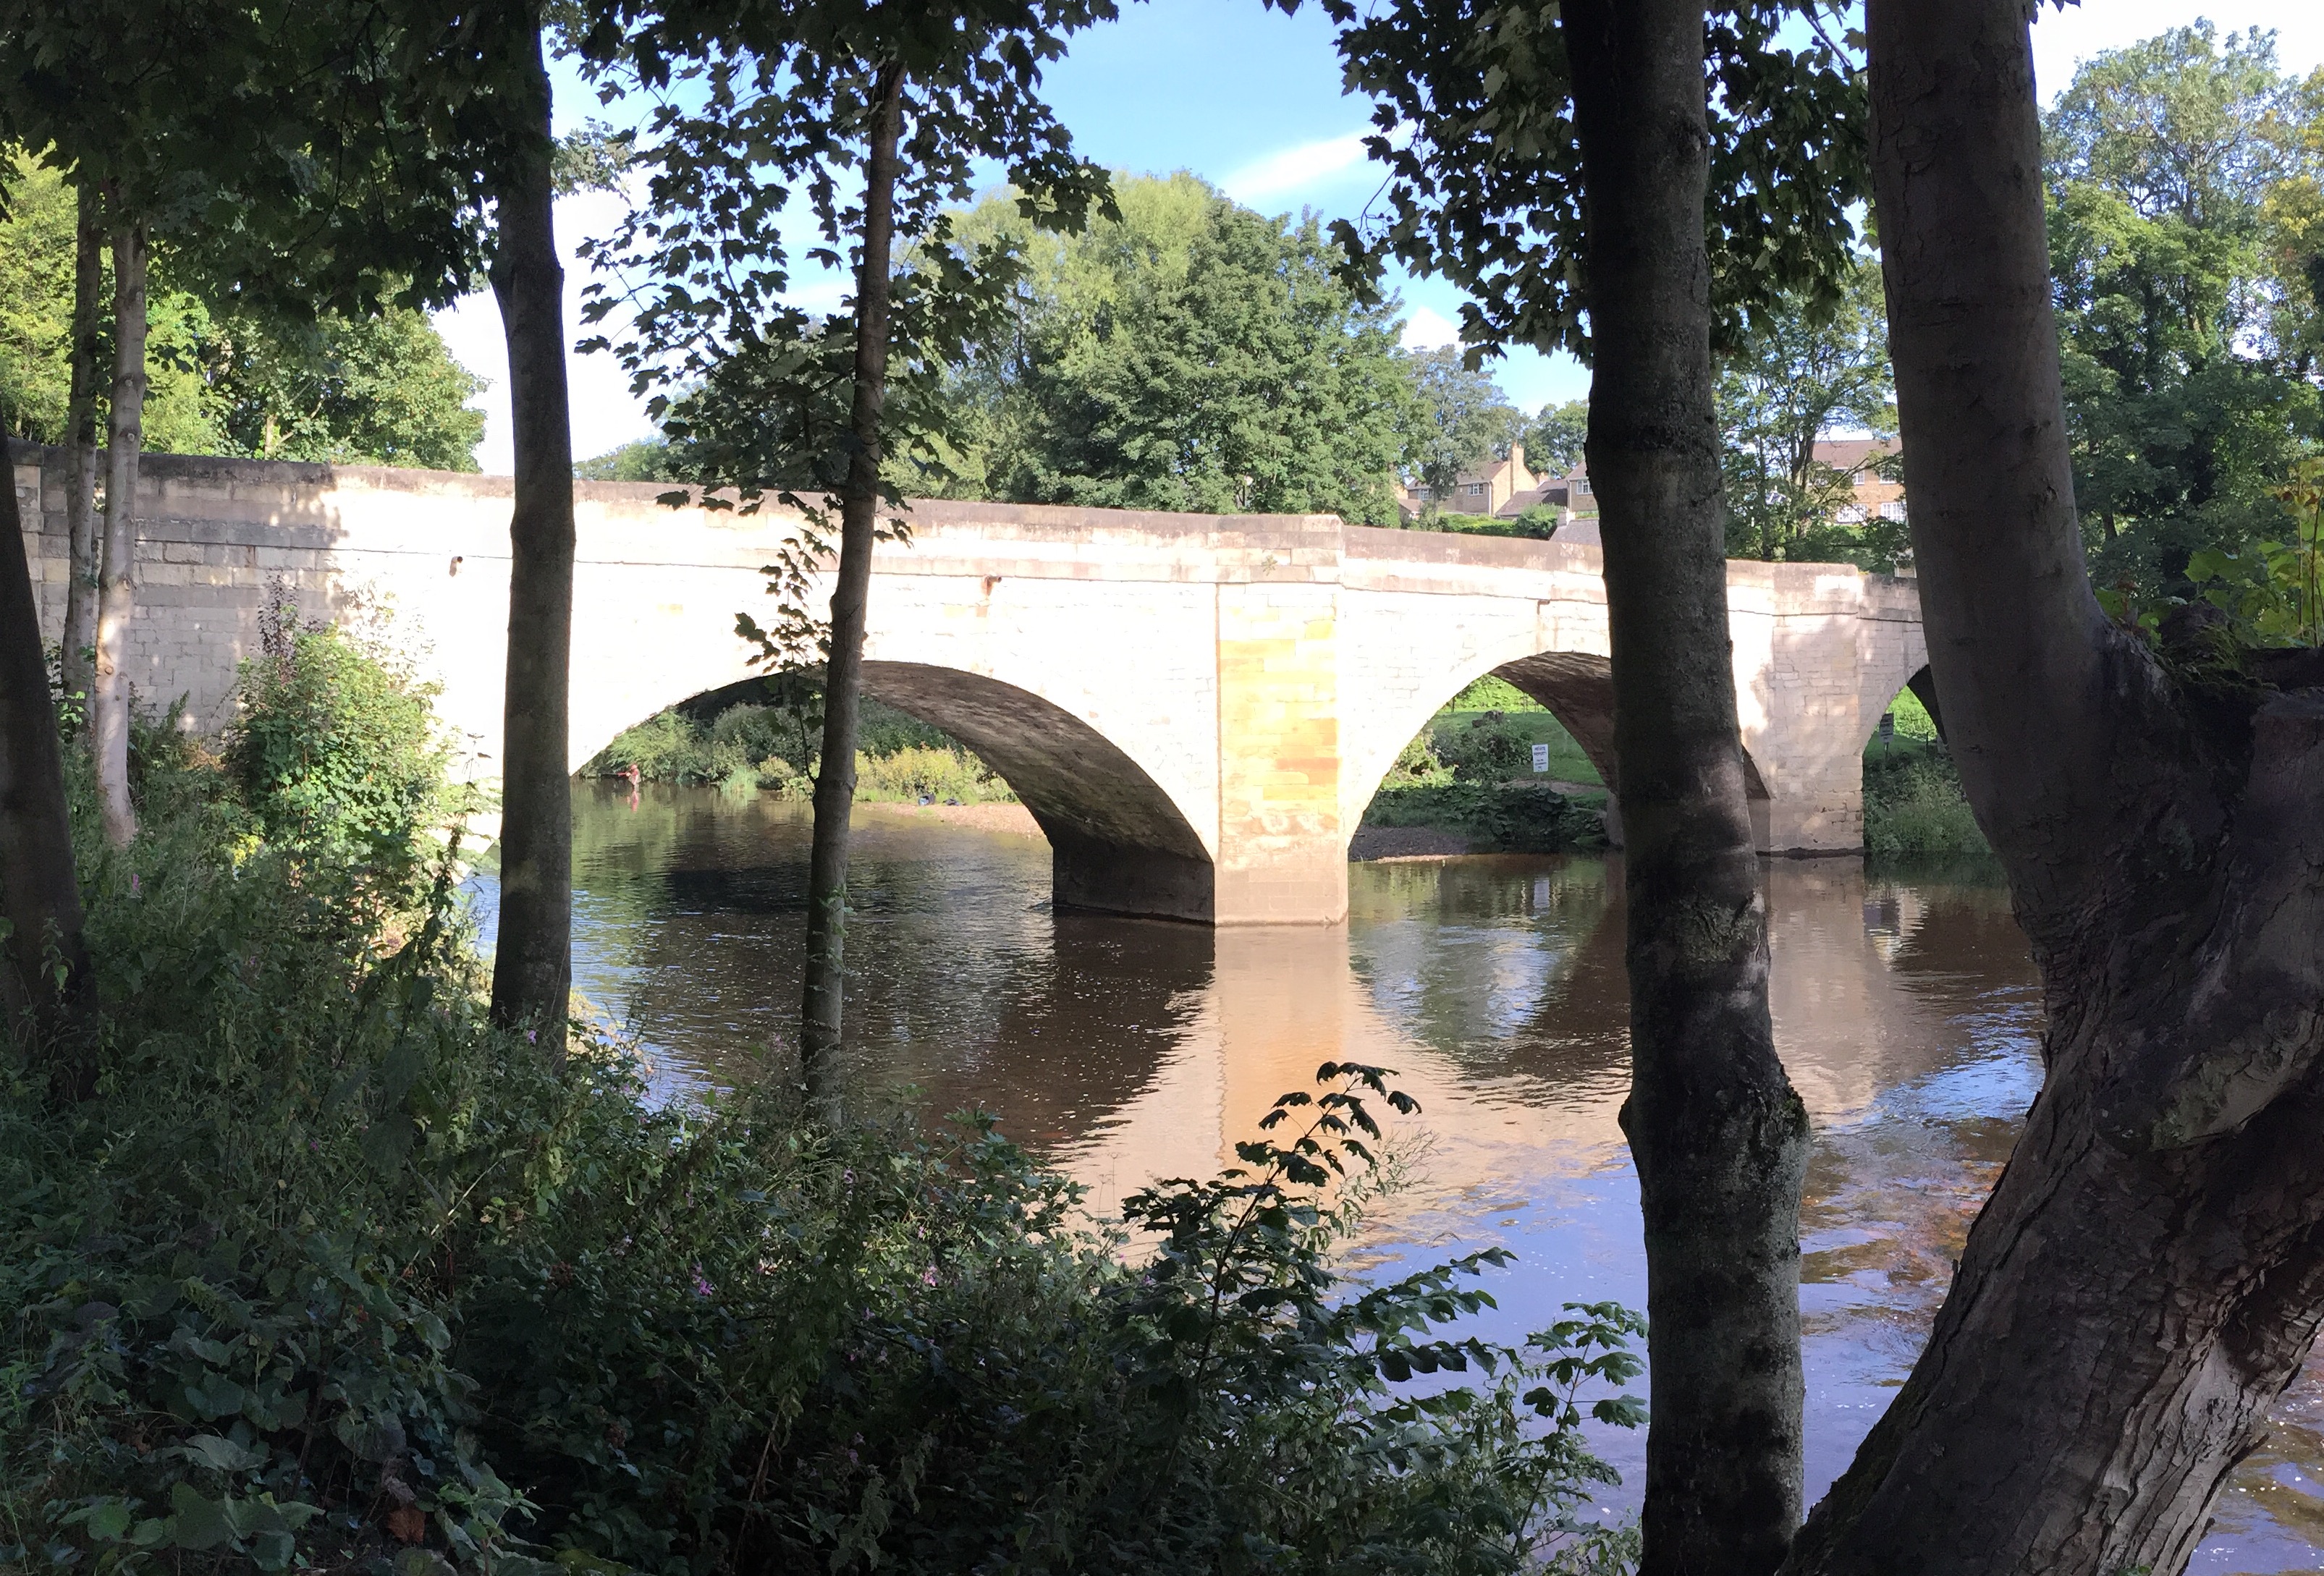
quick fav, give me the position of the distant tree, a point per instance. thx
(1460, 420)
(1191, 354)
(380, 389)
(641, 459)
(1553, 442)
(1798, 376)
(2184, 228)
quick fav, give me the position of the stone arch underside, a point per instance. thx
(1578, 687)
(1120, 844)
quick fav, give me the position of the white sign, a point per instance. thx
(1541, 757)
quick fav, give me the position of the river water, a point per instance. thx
(1906, 1011)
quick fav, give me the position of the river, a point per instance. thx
(1906, 1011)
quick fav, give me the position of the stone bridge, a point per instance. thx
(1196, 708)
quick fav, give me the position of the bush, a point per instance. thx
(335, 755)
(1914, 808)
(917, 772)
(1484, 749)
(333, 1275)
(1515, 817)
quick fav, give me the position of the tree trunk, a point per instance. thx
(108, 701)
(1719, 1135)
(834, 782)
(79, 666)
(532, 964)
(2149, 1271)
(50, 972)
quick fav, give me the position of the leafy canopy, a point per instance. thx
(2185, 231)
(1188, 354)
(1475, 126)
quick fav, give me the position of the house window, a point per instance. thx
(1851, 514)
(1892, 509)
(1476, 489)
(1581, 486)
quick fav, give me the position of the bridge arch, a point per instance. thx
(1120, 844)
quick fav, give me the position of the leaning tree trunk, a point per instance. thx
(532, 964)
(2149, 1271)
(108, 700)
(38, 891)
(1719, 1135)
(834, 782)
(81, 581)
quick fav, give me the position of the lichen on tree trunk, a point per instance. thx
(2149, 1272)
(1719, 1135)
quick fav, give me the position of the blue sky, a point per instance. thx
(1251, 99)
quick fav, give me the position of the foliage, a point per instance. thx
(1804, 374)
(2274, 592)
(1915, 808)
(377, 387)
(760, 746)
(333, 1275)
(2182, 218)
(1460, 420)
(1505, 817)
(335, 756)
(380, 389)
(641, 459)
(1553, 442)
(1474, 125)
(1189, 354)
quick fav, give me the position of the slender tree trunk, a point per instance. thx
(118, 588)
(532, 965)
(834, 782)
(2149, 1272)
(1719, 1135)
(81, 456)
(48, 960)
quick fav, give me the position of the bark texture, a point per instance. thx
(48, 960)
(533, 962)
(2149, 1271)
(79, 664)
(1719, 1135)
(116, 598)
(834, 784)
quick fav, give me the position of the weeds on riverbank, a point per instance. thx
(1915, 808)
(749, 748)
(331, 1274)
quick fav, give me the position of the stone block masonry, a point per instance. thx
(1196, 708)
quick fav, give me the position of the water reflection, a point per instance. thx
(1906, 1012)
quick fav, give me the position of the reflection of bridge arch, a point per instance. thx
(1198, 707)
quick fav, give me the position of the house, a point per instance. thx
(1485, 489)
(1857, 459)
(1504, 488)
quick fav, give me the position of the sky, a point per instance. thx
(1249, 99)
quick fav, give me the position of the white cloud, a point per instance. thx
(1292, 169)
(1427, 328)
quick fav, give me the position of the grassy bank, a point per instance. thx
(331, 1274)
(1468, 774)
(750, 746)
(1914, 808)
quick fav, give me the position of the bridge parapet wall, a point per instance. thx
(1199, 708)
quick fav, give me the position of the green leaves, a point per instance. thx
(1475, 126)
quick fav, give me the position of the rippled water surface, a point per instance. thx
(1906, 1012)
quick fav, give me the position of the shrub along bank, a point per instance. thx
(746, 746)
(1471, 774)
(330, 1275)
